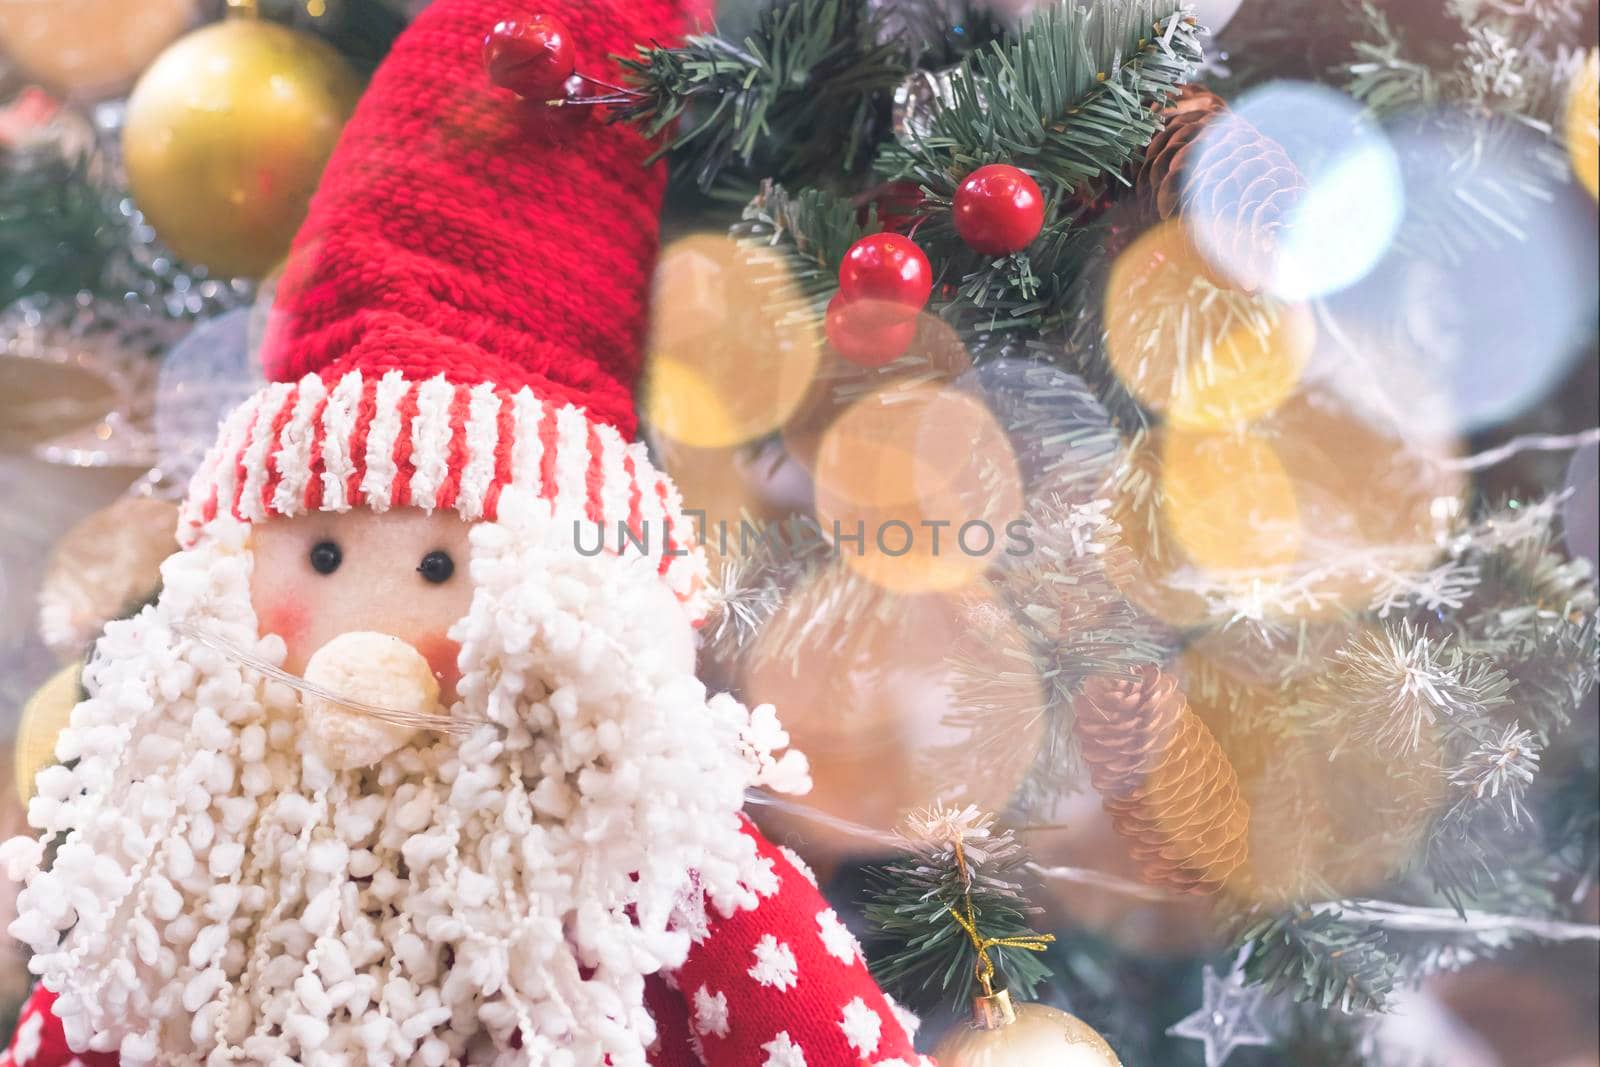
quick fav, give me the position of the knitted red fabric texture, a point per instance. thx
(460, 231)
(39, 1041)
(785, 984)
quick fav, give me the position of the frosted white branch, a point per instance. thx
(1531, 442)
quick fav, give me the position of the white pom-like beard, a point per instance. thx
(220, 895)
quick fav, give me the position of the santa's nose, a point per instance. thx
(364, 676)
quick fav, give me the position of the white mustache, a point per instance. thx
(455, 725)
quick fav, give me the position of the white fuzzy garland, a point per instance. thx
(224, 897)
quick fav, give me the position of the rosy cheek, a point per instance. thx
(289, 619)
(441, 654)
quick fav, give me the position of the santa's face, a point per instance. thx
(403, 573)
(494, 893)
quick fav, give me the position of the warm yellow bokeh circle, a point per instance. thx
(1208, 357)
(1229, 501)
(733, 347)
(916, 485)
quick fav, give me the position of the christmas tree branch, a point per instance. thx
(1320, 955)
(953, 913)
(1074, 98)
(812, 229)
(799, 93)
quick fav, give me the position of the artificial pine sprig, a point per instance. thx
(1317, 955)
(953, 912)
(1074, 98)
(811, 229)
(800, 92)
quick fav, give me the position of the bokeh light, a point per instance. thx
(733, 346)
(1207, 356)
(1496, 288)
(735, 494)
(1351, 209)
(1229, 501)
(1253, 367)
(866, 691)
(916, 485)
(937, 356)
(1315, 509)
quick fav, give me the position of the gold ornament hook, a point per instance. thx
(993, 1011)
(244, 9)
(986, 968)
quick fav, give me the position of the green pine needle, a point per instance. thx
(1074, 98)
(930, 960)
(1316, 955)
(800, 92)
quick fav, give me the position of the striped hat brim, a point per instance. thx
(381, 442)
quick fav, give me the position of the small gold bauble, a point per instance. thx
(226, 136)
(1036, 1036)
(89, 48)
(43, 718)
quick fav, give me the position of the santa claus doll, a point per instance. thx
(400, 770)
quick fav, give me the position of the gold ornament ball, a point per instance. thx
(1040, 1036)
(226, 136)
(89, 48)
(43, 718)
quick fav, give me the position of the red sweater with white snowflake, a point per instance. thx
(782, 985)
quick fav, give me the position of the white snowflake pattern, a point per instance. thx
(836, 938)
(783, 1052)
(775, 965)
(764, 881)
(29, 1034)
(861, 1026)
(710, 1012)
(798, 864)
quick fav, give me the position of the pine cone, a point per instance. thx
(1168, 786)
(1245, 191)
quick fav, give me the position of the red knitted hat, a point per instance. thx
(464, 308)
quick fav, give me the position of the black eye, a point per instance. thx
(437, 567)
(326, 557)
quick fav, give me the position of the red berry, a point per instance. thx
(533, 56)
(999, 210)
(886, 267)
(869, 333)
